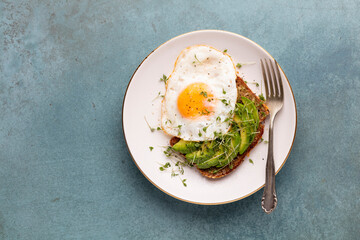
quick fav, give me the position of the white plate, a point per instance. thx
(140, 101)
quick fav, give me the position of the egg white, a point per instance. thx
(200, 64)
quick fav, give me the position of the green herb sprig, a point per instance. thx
(164, 78)
(203, 93)
(151, 128)
(261, 96)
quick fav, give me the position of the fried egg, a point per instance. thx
(200, 94)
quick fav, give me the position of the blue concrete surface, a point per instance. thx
(65, 172)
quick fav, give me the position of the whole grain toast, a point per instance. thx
(243, 91)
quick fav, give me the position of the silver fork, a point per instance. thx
(274, 100)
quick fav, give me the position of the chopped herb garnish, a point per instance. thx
(173, 174)
(166, 165)
(183, 182)
(224, 102)
(205, 112)
(151, 148)
(261, 96)
(196, 59)
(203, 93)
(159, 95)
(179, 133)
(168, 151)
(251, 161)
(216, 134)
(178, 169)
(164, 78)
(238, 65)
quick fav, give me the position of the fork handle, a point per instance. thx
(269, 199)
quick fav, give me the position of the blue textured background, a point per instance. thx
(65, 172)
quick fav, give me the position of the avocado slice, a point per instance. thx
(248, 122)
(250, 106)
(201, 155)
(185, 147)
(213, 161)
(253, 121)
(197, 156)
(221, 151)
(245, 139)
(232, 149)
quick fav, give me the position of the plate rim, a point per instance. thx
(122, 118)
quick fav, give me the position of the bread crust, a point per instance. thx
(243, 91)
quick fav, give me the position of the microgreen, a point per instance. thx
(224, 102)
(203, 93)
(151, 128)
(166, 165)
(179, 132)
(164, 78)
(261, 96)
(183, 182)
(168, 151)
(196, 59)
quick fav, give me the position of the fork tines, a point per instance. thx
(272, 80)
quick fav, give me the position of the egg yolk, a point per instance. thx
(196, 100)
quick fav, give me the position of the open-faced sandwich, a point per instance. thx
(212, 115)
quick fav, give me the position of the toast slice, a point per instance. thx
(243, 91)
